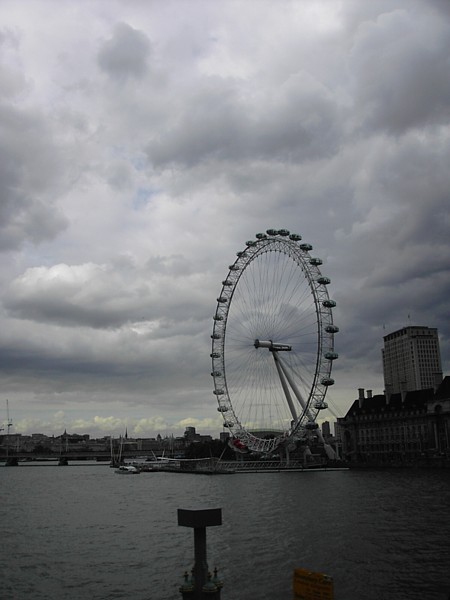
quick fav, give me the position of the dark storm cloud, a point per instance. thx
(400, 70)
(220, 122)
(27, 174)
(30, 164)
(61, 369)
(125, 54)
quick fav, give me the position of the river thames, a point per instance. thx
(83, 532)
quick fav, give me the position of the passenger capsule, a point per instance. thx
(283, 232)
(331, 329)
(250, 243)
(315, 261)
(238, 445)
(222, 409)
(320, 405)
(216, 336)
(295, 237)
(218, 318)
(327, 381)
(234, 267)
(228, 424)
(227, 283)
(272, 232)
(216, 374)
(215, 355)
(329, 303)
(323, 280)
(218, 392)
(240, 254)
(331, 355)
(222, 300)
(306, 247)
(261, 236)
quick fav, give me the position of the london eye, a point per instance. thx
(273, 343)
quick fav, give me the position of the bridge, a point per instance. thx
(97, 455)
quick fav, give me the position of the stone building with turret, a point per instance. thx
(405, 427)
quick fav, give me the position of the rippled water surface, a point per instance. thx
(83, 532)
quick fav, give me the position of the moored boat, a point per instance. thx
(127, 470)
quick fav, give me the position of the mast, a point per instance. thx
(8, 427)
(10, 461)
(120, 450)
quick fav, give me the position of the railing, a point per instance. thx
(268, 465)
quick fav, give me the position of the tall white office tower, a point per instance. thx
(411, 359)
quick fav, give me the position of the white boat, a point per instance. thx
(122, 468)
(127, 470)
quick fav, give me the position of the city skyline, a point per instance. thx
(330, 418)
(144, 143)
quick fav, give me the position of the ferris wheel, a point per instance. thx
(272, 343)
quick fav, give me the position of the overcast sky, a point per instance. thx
(142, 143)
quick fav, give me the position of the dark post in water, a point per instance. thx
(201, 585)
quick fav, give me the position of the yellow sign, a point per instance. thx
(312, 586)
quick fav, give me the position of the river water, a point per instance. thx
(83, 532)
